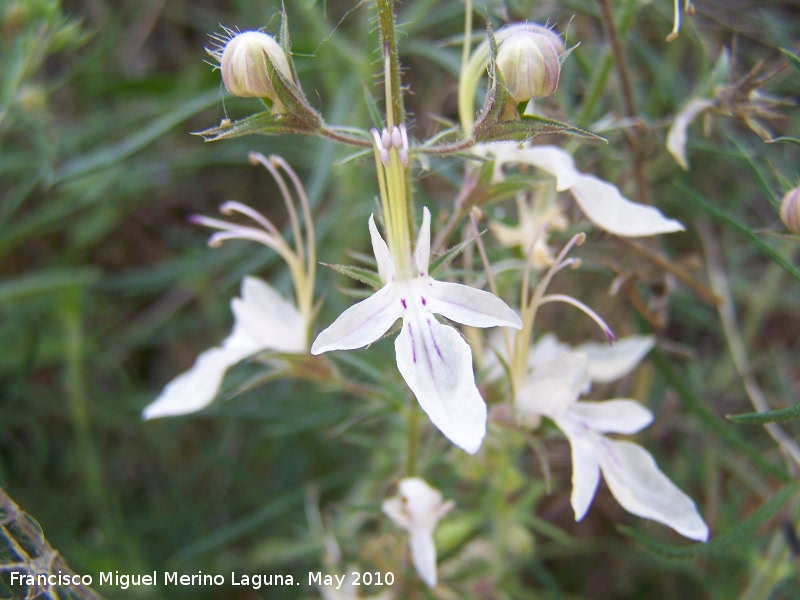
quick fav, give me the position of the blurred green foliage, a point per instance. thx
(107, 293)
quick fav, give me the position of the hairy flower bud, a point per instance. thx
(790, 210)
(529, 59)
(243, 65)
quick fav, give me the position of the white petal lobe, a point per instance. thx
(197, 387)
(361, 324)
(468, 306)
(423, 555)
(386, 268)
(609, 363)
(612, 416)
(585, 472)
(607, 208)
(642, 489)
(265, 317)
(423, 247)
(436, 363)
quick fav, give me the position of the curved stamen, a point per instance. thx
(232, 231)
(576, 240)
(306, 206)
(231, 206)
(258, 158)
(609, 333)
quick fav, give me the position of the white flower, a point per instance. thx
(264, 320)
(601, 202)
(418, 508)
(433, 358)
(553, 389)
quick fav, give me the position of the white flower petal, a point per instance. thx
(361, 324)
(552, 159)
(265, 320)
(386, 268)
(606, 207)
(423, 554)
(642, 489)
(197, 387)
(552, 388)
(571, 367)
(585, 469)
(609, 363)
(545, 396)
(601, 201)
(468, 306)
(422, 251)
(612, 416)
(676, 138)
(547, 348)
(436, 363)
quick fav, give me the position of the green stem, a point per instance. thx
(395, 106)
(412, 438)
(78, 405)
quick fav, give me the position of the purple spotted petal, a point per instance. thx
(436, 363)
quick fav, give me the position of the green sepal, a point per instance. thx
(366, 276)
(296, 115)
(291, 112)
(296, 108)
(500, 120)
(498, 100)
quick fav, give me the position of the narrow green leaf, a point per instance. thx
(112, 154)
(263, 123)
(789, 413)
(361, 274)
(794, 60)
(788, 139)
(723, 543)
(528, 127)
(46, 282)
(712, 422)
(767, 188)
(445, 259)
(746, 233)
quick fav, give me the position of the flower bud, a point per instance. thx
(243, 66)
(529, 59)
(790, 210)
